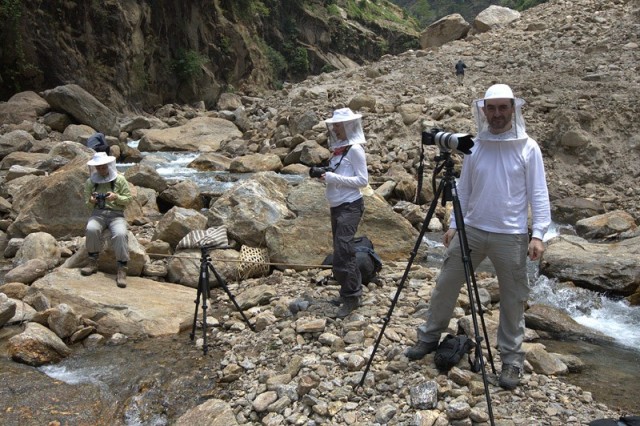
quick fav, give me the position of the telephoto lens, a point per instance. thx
(446, 142)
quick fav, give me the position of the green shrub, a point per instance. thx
(277, 62)
(333, 10)
(299, 64)
(328, 68)
(188, 64)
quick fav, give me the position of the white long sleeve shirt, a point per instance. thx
(343, 185)
(498, 183)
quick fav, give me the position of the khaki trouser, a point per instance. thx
(508, 254)
(117, 224)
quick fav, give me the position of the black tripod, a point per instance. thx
(447, 189)
(204, 292)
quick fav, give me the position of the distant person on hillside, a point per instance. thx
(349, 174)
(460, 66)
(107, 192)
(499, 182)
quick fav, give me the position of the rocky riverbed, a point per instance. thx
(296, 368)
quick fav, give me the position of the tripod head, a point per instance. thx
(444, 161)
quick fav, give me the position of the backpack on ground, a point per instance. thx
(623, 421)
(98, 143)
(369, 262)
(451, 350)
(367, 259)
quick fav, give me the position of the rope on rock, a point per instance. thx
(291, 265)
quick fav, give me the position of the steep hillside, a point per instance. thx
(429, 11)
(576, 63)
(140, 53)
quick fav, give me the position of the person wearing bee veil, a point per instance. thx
(500, 181)
(107, 193)
(346, 175)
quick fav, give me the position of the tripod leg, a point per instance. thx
(470, 277)
(223, 284)
(204, 292)
(484, 325)
(195, 315)
(414, 252)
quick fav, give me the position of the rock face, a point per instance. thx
(135, 53)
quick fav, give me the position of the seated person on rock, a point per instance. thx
(107, 193)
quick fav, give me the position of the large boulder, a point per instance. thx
(494, 16)
(84, 107)
(52, 204)
(107, 260)
(611, 268)
(251, 208)
(200, 134)
(561, 325)
(37, 345)
(18, 140)
(23, 106)
(450, 28)
(305, 239)
(55, 203)
(145, 308)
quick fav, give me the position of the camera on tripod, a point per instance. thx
(316, 172)
(447, 142)
(100, 199)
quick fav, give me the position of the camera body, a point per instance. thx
(448, 142)
(316, 172)
(101, 199)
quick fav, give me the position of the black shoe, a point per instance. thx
(349, 305)
(509, 377)
(420, 349)
(336, 301)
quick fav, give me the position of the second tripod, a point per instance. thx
(204, 293)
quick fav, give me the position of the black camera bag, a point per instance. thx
(451, 350)
(623, 421)
(369, 262)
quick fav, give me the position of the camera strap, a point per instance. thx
(113, 185)
(341, 157)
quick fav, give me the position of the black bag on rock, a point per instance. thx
(623, 421)
(451, 350)
(369, 263)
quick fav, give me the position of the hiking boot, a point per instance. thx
(349, 304)
(91, 268)
(121, 278)
(336, 301)
(420, 349)
(509, 377)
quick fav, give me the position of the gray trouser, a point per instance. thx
(508, 254)
(344, 224)
(117, 224)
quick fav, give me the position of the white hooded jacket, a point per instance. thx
(502, 178)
